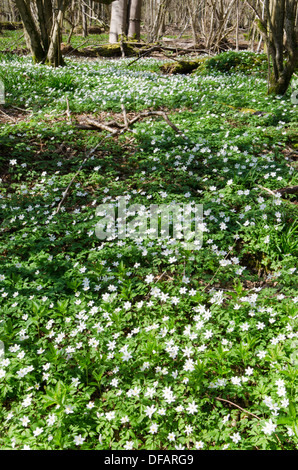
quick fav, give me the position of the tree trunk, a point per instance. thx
(84, 21)
(134, 28)
(54, 56)
(33, 37)
(43, 31)
(118, 20)
(45, 18)
(280, 31)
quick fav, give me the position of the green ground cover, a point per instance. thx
(142, 343)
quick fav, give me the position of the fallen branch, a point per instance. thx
(7, 116)
(148, 51)
(269, 191)
(100, 126)
(115, 124)
(22, 109)
(89, 123)
(290, 190)
(73, 49)
(242, 409)
(121, 128)
(282, 191)
(12, 44)
(237, 406)
(156, 113)
(125, 116)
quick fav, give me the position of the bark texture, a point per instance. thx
(42, 20)
(279, 27)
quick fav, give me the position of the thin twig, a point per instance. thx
(84, 161)
(245, 411)
(237, 406)
(269, 191)
(155, 49)
(22, 109)
(218, 269)
(12, 44)
(68, 111)
(157, 113)
(76, 48)
(6, 115)
(159, 277)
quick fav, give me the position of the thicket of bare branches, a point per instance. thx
(209, 21)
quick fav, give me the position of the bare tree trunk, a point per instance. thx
(118, 20)
(54, 56)
(160, 14)
(43, 28)
(33, 37)
(134, 27)
(192, 18)
(84, 20)
(45, 19)
(280, 31)
(237, 25)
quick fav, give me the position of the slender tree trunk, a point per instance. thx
(192, 19)
(84, 21)
(237, 25)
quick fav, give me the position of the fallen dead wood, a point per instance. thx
(156, 113)
(147, 52)
(83, 163)
(7, 116)
(92, 123)
(127, 49)
(162, 50)
(290, 190)
(282, 191)
(126, 122)
(116, 128)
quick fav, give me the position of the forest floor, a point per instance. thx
(147, 342)
(14, 42)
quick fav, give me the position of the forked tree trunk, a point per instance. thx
(283, 20)
(54, 56)
(43, 32)
(45, 19)
(279, 28)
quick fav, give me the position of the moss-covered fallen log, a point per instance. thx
(11, 25)
(182, 66)
(106, 50)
